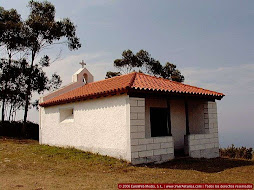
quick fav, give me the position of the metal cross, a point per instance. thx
(82, 63)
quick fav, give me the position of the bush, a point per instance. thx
(237, 152)
(14, 128)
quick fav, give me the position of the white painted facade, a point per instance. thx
(99, 126)
(119, 126)
(178, 122)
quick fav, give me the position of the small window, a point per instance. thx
(159, 122)
(66, 115)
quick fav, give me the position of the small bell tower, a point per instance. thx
(83, 75)
(80, 78)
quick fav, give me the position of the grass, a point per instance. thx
(24, 164)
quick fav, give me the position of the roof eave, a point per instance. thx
(133, 91)
(83, 98)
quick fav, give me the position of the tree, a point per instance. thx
(148, 64)
(11, 42)
(111, 74)
(170, 72)
(41, 30)
(41, 81)
(23, 76)
(143, 62)
(128, 62)
(10, 77)
(17, 73)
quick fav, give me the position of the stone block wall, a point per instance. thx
(210, 117)
(205, 145)
(202, 145)
(150, 149)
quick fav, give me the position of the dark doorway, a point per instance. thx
(179, 153)
(159, 122)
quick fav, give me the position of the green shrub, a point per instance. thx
(237, 152)
(14, 128)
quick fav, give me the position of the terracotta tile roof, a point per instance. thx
(147, 82)
(124, 83)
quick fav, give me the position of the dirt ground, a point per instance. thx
(24, 164)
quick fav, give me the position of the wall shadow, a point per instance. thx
(213, 165)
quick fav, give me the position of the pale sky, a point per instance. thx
(211, 42)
